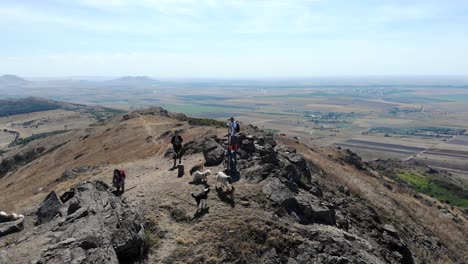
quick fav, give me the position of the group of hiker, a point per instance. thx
(233, 126)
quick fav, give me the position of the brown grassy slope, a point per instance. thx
(409, 214)
(114, 143)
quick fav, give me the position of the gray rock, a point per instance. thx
(213, 153)
(257, 173)
(315, 211)
(49, 208)
(248, 145)
(7, 228)
(97, 227)
(391, 230)
(193, 147)
(72, 173)
(301, 173)
(279, 194)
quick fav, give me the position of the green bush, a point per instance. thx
(442, 191)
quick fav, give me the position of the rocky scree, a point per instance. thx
(90, 224)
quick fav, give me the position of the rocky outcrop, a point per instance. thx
(213, 152)
(92, 225)
(290, 183)
(192, 147)
(49, 208)
(7, 228)
(353, 159)
(72, 173)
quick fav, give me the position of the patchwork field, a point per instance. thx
(27, 127)
(6, 138)
(377, 119)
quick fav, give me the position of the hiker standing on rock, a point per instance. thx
(118, 181)
(234, 128)
(176, 142)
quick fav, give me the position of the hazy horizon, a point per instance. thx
(233, 38)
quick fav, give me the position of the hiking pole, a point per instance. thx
(131, 188)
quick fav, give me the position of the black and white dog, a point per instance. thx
(201, 197)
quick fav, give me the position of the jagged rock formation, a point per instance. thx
(7, 228)
(289, 182)
(90, 225)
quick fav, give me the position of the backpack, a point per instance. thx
(237, 127)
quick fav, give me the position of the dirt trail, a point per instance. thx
(158, 190)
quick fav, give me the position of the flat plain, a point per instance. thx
(421, 120)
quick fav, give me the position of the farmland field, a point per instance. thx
(377, 119)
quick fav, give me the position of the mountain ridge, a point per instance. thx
(292, 203)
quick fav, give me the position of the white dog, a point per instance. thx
(201, 176)
(222, 178)
(4, 217)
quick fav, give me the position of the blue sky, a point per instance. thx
(233, 38)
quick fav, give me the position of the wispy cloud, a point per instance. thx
(237, 37)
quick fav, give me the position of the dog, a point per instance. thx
(222, 178)
(201, 198)
(198, 167)
(201, 176)
(4, 217)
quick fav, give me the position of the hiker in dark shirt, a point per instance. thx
(176, 142)
(119, 180)
(233, 130)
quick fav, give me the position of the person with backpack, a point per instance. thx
(118, 181)
(234, 129)
(176, 142)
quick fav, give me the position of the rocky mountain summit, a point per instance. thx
(287, 203)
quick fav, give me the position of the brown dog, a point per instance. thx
(198, 167)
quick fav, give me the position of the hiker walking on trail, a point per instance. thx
(234, 128)
(176, 142)
(118, 181)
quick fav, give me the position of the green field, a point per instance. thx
(450, 194)
(195, 109)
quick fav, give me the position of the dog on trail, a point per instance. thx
(198, 167)
(224, 179)
(201, 176)
(201, 198)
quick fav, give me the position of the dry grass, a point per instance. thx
(231, 239)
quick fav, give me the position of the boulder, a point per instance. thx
(193, 147)
(301, 173)
(49, 208)
(248, 145)
(11, 227)
(315, 211)
(257, 173)
(213, 153)
(353, 159)
(97, 227)
(279, 194)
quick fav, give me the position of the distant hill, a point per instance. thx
(31, 104)
(37, 104)
(12, 80)
(132, 81)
